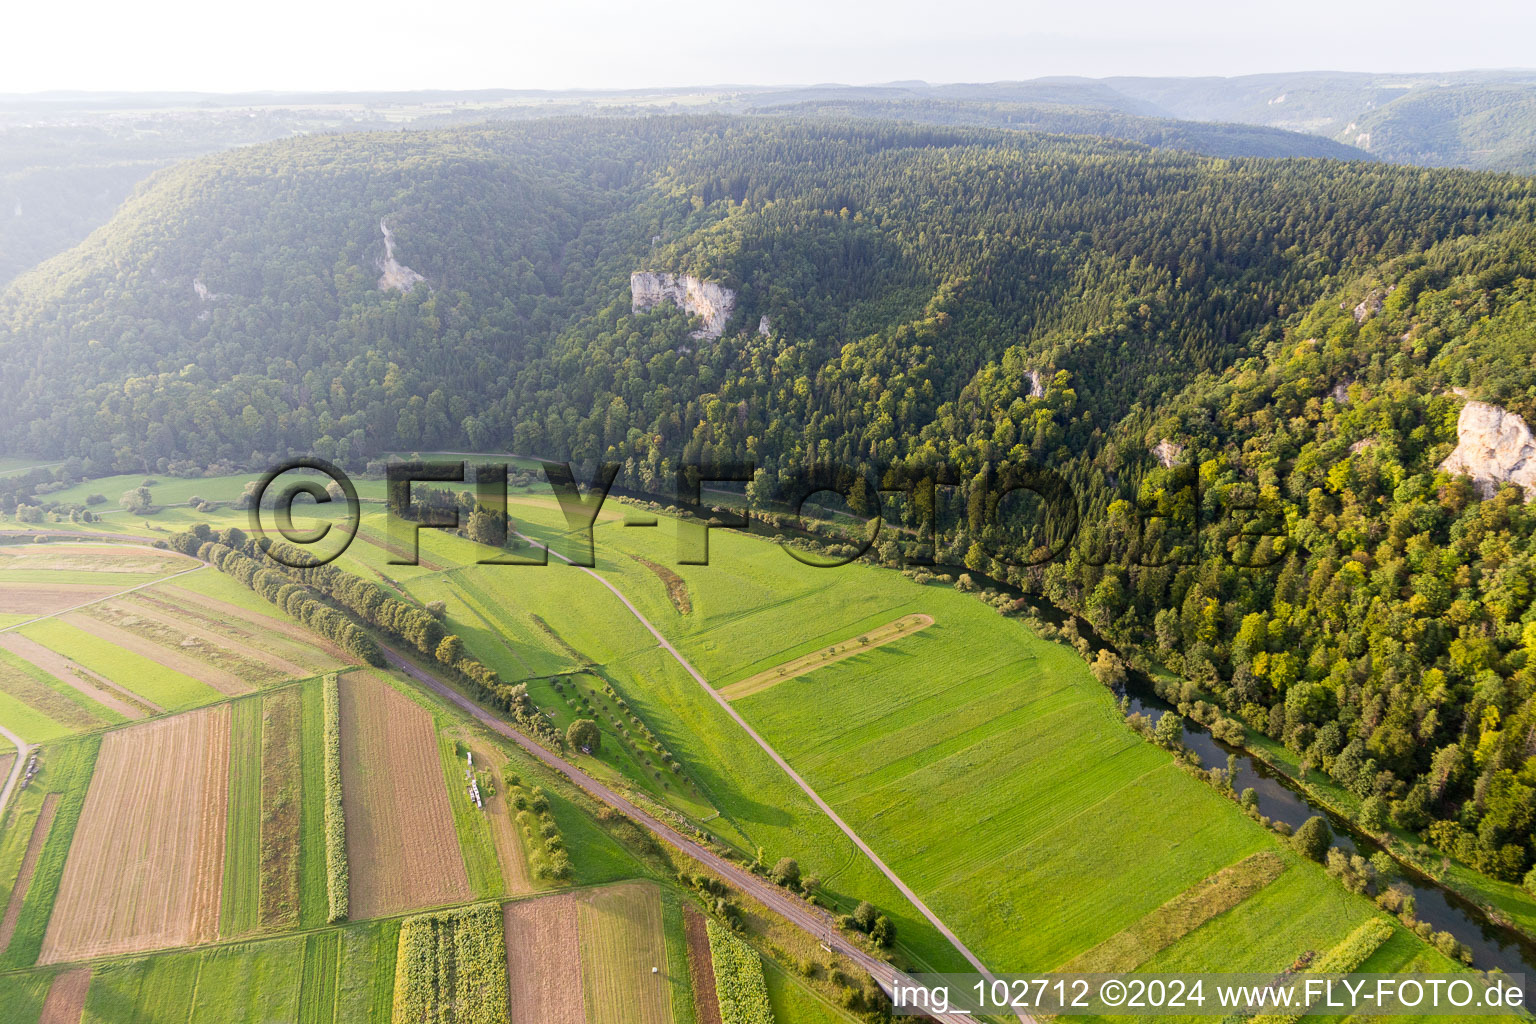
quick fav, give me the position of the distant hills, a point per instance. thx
(67, 160)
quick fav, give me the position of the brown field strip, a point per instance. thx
(701, 966)
(867, 641)
(677, 587)
(253, 638)
(45, 599)
(224, 681)
(40, 828)
(146, 866)
(280, 668)
(97, 687)
(509, 846)
(622, 939)
(103, 558)
(278, 903)
(544, 961)
(66, 997)
(402, 848)
(234, 612)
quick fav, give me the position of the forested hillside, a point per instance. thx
(928, 296)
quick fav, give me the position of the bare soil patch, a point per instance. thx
(66, 997)
(235, 613)
(46, 599)
(677, 587)
(867, 641)
(97, 687)
(146, 867)
(103, 558)
(544, 961)
(701, 967)
(40, 828)
(402, 849)
(224, 681)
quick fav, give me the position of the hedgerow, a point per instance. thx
(451, 968)
(1347, 956)
(739, 983)
(335, 817)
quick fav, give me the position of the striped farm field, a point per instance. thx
(106, 559)
(39, 707)
(93, 689)
(139, 675)
(267, 641)
(31, 599)
(624, 955)
(97, 622)
(146, 864)
(402, 846)
(243, 839)
(544, 971)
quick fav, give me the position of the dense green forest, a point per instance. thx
(952, 301)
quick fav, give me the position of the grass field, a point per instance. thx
(39, 707)
(242, 843)
(281, 809)
(313, 903)
(481, 863)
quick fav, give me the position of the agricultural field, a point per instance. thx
(451, 968)
(587, 958)
(402, 846)
(146, 863)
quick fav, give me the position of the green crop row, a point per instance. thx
(739, 982)
(451, 968)
(335, 817)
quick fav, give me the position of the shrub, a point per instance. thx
(1312, 839)
(787, 872)
(335, 818)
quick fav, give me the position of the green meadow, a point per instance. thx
(154, 682)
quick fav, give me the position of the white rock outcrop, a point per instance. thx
(1167, 452)
(1036, 387)
(710, 302)
(764, 326)
(394, 276)
(1493, 446)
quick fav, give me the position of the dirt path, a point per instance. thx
(831, 655)
(811, 919)
(509, 847)
(66, 997)
(16, 766)
(99, 688)
(224, 681)
(805, 787)
(40, 828)
(701, 966)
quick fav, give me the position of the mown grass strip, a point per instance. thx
(317, 993)
(149, 679)
(67, 771)
(739, 982)
(451, 968)
(242, 836)
(335, 817)
(314, 897)
(1129, 949)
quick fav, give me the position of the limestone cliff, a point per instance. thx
(1167, 452)
(710, 302)
(394, 276)
(1493, 446)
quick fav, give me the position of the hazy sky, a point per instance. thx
(391, 44)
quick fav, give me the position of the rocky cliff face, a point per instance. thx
(1167, 452)
(394, 276)
(1493, 446)
(713, 303)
